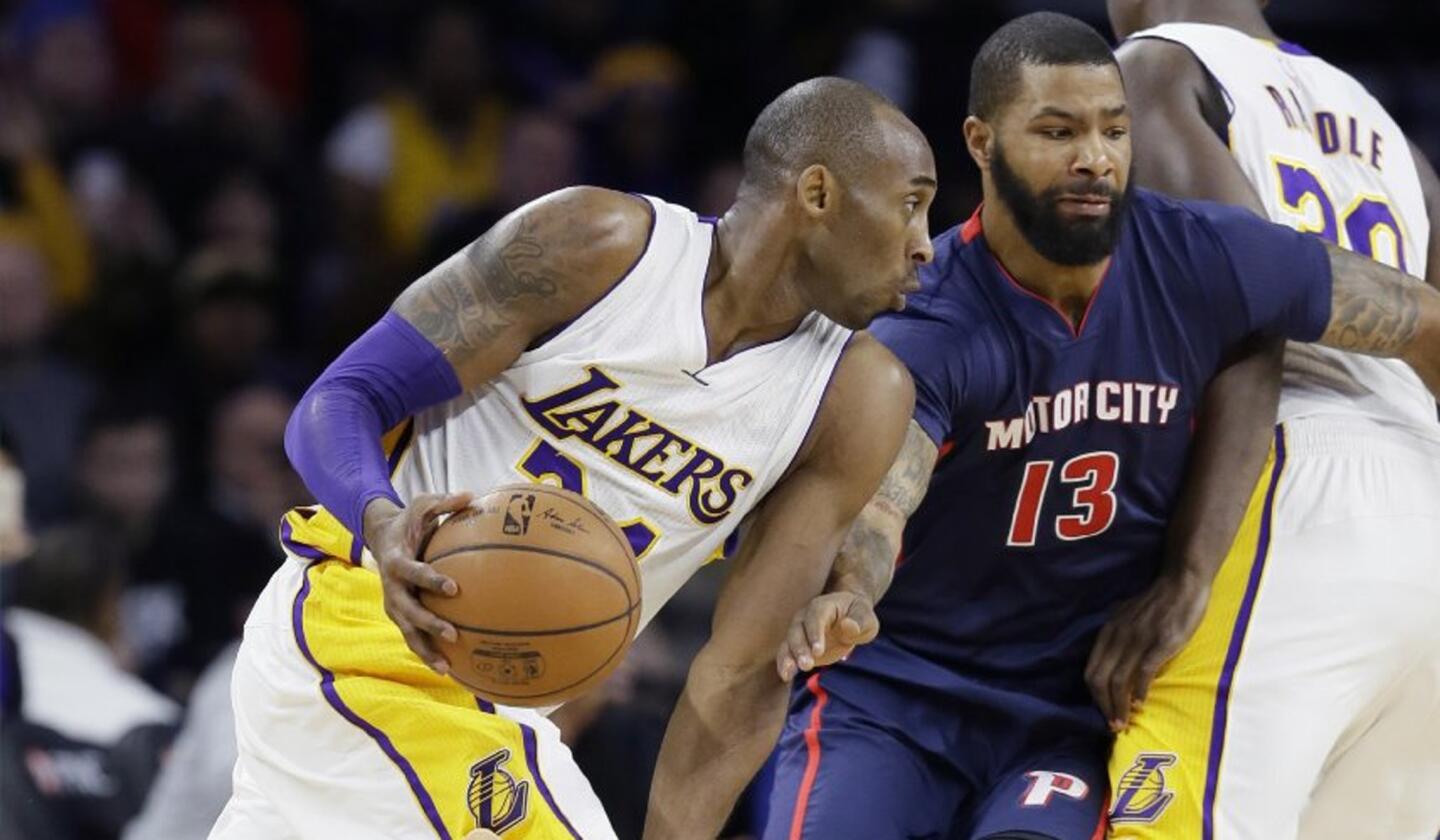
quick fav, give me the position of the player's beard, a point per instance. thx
(1061, 241)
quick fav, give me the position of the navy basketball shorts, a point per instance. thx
(846, 769)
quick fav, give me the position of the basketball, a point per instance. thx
(549, 595)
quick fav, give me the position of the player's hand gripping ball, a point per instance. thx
(548, 595)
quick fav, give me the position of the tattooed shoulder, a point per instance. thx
(537, 267)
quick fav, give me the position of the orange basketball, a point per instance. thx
(549, 594)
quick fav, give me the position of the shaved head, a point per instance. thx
(826, 120)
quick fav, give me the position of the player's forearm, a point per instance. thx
(1233, 434)
(724, 726)
(866, 563)
(333, 437)
(1379, 311)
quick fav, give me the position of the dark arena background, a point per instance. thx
(202, 203)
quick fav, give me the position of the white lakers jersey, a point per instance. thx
(1326, 159)
(621, 406)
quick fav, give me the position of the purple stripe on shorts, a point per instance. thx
(1237, 641)
(1292, 48)
(532, 760)
(327, 687)
(299, 549)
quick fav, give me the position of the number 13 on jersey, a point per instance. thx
(1092, 501)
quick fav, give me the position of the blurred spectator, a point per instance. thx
(228, 334)
(426, 151)
(552, 47)
(75, 765)
(541, 155)
(251, 486)
(209, 115)
(194, 785)
(126, 474)
(642, 120)
(43, 398)
(34, 203)
(126, 468)
(196, 561)
(69, 69)
(65, 622)
(240, 222)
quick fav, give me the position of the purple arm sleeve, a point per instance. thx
(333, 438)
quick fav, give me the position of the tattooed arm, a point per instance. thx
(456, 328)
(1379, 311)
(535, 269)
(832, 624)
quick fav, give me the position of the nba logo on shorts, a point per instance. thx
(496, 800)
(1141, 795)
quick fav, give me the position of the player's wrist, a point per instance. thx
(1186, 579)
(376, 511)
(852, 584)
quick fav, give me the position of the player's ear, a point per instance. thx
(979, 141)
(817, 190)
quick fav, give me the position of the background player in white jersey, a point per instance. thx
(676, 369)
(1304, 704)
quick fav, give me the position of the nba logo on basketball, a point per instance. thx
(517, 515)
(495, 799)
(1141, 795)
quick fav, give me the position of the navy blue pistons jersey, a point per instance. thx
(1063, 449)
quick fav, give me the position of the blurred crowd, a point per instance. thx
(202, 202)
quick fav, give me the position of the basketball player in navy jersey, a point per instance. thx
(1061, 345)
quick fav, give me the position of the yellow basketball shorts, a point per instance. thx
(343, 732)
(1307, 704)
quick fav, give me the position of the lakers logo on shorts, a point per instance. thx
(496, 800)
(1141, 795)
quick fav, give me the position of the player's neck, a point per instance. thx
(1241, 15)
(751, 294)
(1068, 287)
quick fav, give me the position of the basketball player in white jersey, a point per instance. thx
(1306, 701)
(684, 373)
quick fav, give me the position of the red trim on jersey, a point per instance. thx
(973, 228)
(944, 450)
(812, 762)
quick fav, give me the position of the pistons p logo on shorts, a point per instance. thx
(1140, 796)
(496, 800)
(1047, 783)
